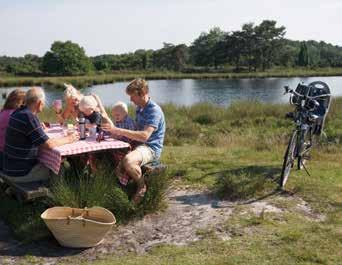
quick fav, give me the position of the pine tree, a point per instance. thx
(303, 56)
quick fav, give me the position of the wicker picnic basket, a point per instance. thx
(78, 228)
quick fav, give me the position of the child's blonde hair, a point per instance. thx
(121, 105)
(88, 102)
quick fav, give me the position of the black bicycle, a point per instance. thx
(312, 104)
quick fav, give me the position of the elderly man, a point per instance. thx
(24, 135)
(150, 133)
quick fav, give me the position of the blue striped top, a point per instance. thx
(24, 135)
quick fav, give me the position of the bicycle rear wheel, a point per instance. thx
(288, 160)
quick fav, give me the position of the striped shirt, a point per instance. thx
(24, 135)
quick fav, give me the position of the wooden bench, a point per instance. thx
(26, 191)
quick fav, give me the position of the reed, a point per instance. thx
(106, 78)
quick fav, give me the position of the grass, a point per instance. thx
(263, 239)
(267, 238)
(95, 78)
(81, 188)
(237, 153)
(77, 187)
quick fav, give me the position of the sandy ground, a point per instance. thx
(189, 212)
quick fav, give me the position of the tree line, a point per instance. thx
(250, 49)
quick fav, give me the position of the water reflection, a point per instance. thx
(217, 91)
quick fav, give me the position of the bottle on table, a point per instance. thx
(100, 135)
(81, 126)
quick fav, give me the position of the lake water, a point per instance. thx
(217, 91)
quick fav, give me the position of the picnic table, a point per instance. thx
(52, 158)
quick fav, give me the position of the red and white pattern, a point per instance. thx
(52, 158)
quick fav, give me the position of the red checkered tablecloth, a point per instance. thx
(52, 158)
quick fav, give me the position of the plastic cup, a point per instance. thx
(70, 129)
(57, 103)
(92, 132)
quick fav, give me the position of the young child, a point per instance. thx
(88, 106)
(121, 119)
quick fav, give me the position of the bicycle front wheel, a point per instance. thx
(304, 148)
(288, 160)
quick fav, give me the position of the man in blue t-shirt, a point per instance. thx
(150, 133)
(24, 135)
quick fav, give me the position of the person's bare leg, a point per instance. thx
(119, 170)
(131, 163)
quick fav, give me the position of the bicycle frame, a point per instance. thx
(306, 122)
(303, 129)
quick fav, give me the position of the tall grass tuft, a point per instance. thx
(157, 186)
(81, 188)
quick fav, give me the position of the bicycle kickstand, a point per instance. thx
(307, 172)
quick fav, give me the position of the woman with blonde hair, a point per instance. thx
(72, 98)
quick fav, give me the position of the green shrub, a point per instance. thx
(182, 132)
(80, 188)
(206, 114)
(24, 219)
(246, 183)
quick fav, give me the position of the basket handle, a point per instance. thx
(85, 212)
(80, 217)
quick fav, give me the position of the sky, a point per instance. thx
(114, 27)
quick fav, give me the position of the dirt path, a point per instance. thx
(189, 212)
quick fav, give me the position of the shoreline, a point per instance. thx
(97, 79)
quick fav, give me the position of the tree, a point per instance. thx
(202, 50)
(268, 42)
(303, 57)
(27, 65)
(171, 57)
(231, 49)
(180, 57)
(66, 58)
(248, 35)
(287, 56)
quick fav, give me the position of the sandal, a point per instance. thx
(139, 195)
